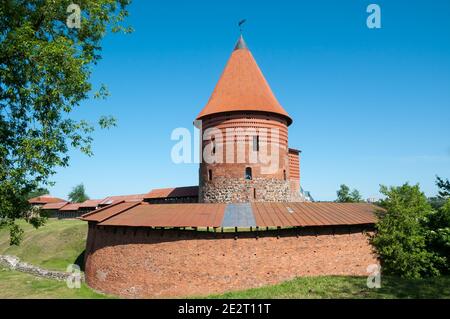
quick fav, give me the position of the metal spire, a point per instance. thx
(240, 24)
(241, 43)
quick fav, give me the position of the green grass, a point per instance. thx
(53, 246)
(17, 285)
(348, 287)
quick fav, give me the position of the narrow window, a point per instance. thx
(256, 143)
(284, 174)
(248, 173)
(254, 193)
(213, 141)
(210, 175)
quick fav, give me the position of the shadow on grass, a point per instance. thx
(438, 287)
(391, 288)
(349, 287)
(80, 260)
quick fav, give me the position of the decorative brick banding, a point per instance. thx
(224, 181)
(172, 263)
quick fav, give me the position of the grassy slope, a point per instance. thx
(14, 285)
(348, 287)
(53, 246)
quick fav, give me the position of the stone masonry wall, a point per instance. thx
(14, 263)
(168, 263)
(240, 190)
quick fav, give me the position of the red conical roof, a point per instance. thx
(242, 87)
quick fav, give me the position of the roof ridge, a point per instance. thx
(100, 209)
(133, 204)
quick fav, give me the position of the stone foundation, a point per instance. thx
(174, 263)
(240, 190)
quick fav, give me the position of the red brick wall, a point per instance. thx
(154, 263)
(228, 183)
(294, 174)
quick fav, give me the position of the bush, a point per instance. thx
(402, 240)
(438, 236)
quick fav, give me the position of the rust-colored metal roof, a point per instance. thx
(234, 215)
(116, 199)
(187, 191)
(45, 199)
(242, 87)
(55, 206)
(91, 203)
(70, 207)
(313, 214)
(104, 213)
(169, 215)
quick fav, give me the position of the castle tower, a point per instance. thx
(245, 138)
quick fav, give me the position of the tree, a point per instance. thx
(345, 196)
(436, 202)
(45, 69)
(37, 192)
(438, 236)
(78, 194)
(401, 239)
(444, 187)
(355, 196)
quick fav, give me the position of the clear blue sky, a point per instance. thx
(370, 107)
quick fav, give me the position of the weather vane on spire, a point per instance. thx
(241, 23)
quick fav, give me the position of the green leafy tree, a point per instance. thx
(401, 234)
(355, 196)
(444, 187)
(37, 192)
(45, 69)
(78, 194)
(436, 202)
(345, 196)
(438, 236)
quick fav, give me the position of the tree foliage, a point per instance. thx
(438, 236)
(78, 194)
(402, 239)
(344, 195)
(444, 187)
(39, 191)
(436, 202)
(45, 70)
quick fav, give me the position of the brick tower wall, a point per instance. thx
(294, 175)
(226, 182)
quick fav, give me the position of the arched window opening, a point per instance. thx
(248, 173)
(284, 174)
